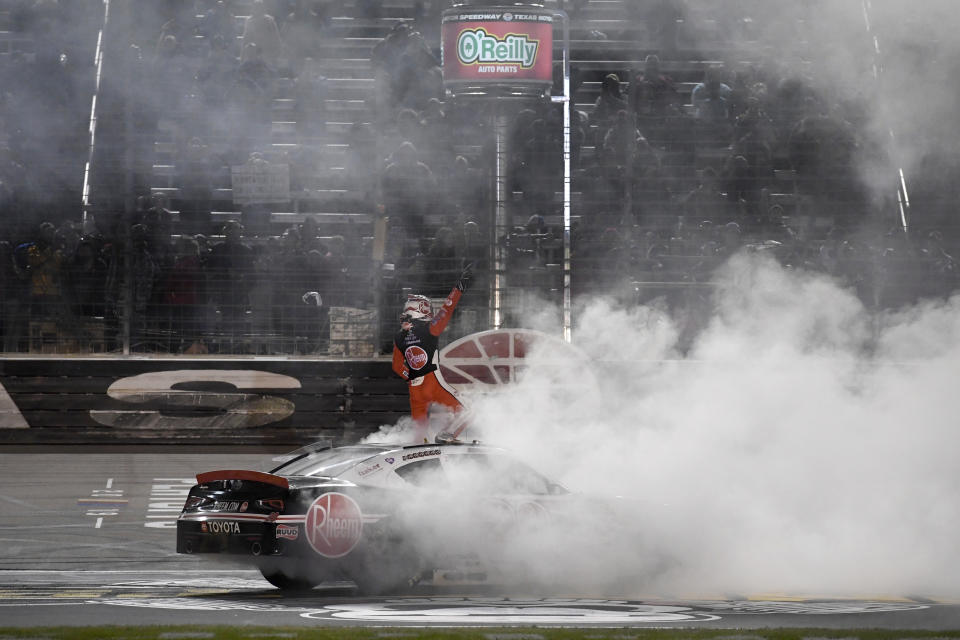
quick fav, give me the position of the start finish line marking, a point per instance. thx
(102, 503)
(167, 496)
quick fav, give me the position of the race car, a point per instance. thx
(386, 517)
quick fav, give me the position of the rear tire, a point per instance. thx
(286, 582)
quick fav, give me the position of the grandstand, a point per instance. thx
(180, 175)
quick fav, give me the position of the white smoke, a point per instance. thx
(801, 446)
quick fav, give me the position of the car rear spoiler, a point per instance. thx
(252, 476)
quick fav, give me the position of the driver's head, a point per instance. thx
(417, 307)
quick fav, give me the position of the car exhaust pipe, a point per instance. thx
(256, 549)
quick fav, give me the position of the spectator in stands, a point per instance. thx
(261, 29)
(754, 122)
(710, 98)
(86, 279)
(197, 170)
(183, 298)
(229, 270)
(440, 264)
(264, 278)
(157, 220)
(40, 264)
(466, 189)
(409, 128)
(651, 95)
(436, 139)
(822, 146)
(299, 274)
(303, 29)
(407, 186)
(217, 74)
(144, 273)
(706, 202)
(337, 284)
(310, 94)
(308, 235)
(173, 34)
(250, 98)
(407, 72)
(219, 22)
(10, 299)
(539, 165)
(625, 147)
(361, 162)
(609, 103)
(472, 249)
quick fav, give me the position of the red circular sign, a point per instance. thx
(334, 525)
(416, 357)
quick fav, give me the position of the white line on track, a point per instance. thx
(19, 503)
(171, 572)
(109, 483)
(99, 523)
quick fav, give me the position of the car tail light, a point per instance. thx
(275, 504)
(194, 502)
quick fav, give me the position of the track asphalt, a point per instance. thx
(88, 538)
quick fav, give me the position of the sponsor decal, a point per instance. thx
(369, 470)
(238, 410)
(287, 532)
(334, 525)
(244, 506)
(477, 46)
(221, 526)
(416, 357)
(421, 454)
(228, 506)
(203, 527)
(389, 460)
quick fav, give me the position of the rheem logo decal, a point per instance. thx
(334, 525)
(416, 357)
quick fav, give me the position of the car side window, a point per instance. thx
(495, 474)
(421, 473)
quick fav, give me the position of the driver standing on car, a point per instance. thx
(415, 352)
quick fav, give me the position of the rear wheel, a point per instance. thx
(287, 580)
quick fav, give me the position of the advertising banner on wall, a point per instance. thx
(497, 47)
(48, 400)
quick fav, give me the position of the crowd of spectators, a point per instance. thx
(181, 293)
(672, 174)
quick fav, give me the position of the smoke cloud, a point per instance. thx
(801, 445)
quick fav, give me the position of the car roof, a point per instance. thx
(364, 451)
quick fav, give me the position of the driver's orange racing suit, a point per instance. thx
(414, 359)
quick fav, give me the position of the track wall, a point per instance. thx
(196, 400)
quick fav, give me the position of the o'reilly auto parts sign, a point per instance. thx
(498, 47)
